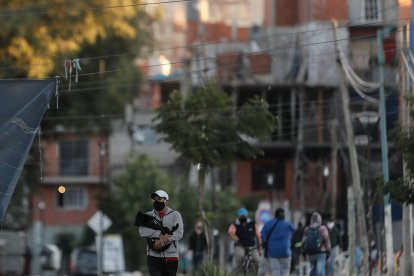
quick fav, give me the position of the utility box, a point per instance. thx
(12, 253)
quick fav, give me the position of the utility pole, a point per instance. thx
(406, 267)
(356, 179)
(384, 154)
(299, 188)
(334, 154)
(351, 228)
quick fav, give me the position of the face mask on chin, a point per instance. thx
(243, 219)
(158, 206)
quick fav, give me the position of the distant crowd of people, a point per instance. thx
(277, 248)
(282, 245)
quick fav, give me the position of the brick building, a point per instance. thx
(75, 172)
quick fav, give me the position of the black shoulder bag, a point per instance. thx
(265, 242)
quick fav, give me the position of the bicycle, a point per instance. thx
(248, 266)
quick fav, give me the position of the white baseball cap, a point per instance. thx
(160, 193)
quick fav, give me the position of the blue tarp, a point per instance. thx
(23, 103)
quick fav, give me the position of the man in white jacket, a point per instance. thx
(162, 248)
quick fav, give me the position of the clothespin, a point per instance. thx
(68, 70)
(58, 80)
(76, 65)
(67, 65)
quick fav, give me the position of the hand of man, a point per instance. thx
(164, 239)
(328, 254)
(260, 251)
(158, 244)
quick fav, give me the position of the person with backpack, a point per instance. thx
(277, 234)
(163, 228)
(316, 245)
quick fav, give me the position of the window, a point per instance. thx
(72, 198)
(268, 174)
(74, 158)
(372, 10)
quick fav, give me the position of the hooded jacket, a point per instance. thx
(169, 220)
(316, 220)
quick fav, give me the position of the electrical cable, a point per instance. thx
(96, 9)
(311, 32)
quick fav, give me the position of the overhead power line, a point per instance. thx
(95, 9)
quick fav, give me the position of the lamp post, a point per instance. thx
(270, 180)
(102, 152)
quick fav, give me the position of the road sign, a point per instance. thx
(99, 222)
(113, 254)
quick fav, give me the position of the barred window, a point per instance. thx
(72, 198)
(73, 158)
(372, 10)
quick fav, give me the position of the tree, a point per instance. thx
(37, 36)
(204, 131)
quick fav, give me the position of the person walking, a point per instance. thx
(296, 247)
(277, 233)
(335, 238)
(197, 244)
(163, 228)
(245, 233)
(316, 245)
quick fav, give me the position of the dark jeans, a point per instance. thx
(161, 267)
(197, 259)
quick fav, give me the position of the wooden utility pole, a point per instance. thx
(299, 188)
(353, 158)
(351, 229)
(334, 164)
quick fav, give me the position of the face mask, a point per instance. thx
(158, 206)
(243, 220)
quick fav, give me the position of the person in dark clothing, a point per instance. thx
(245, 233)
(197, 244)
(296, 246)
(335, 238)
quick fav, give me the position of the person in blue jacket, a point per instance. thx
(279, 253)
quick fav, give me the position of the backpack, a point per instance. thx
(312, 242)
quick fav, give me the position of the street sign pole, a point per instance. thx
(99, 223)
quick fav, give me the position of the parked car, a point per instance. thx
(84, 262)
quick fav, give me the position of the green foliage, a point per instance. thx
(402, 189)
(251, 202)
(37, 37)
(202, 129)
(66, 242)
(211, 269)
(186, 202)
(225, 212)
(37, 34)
